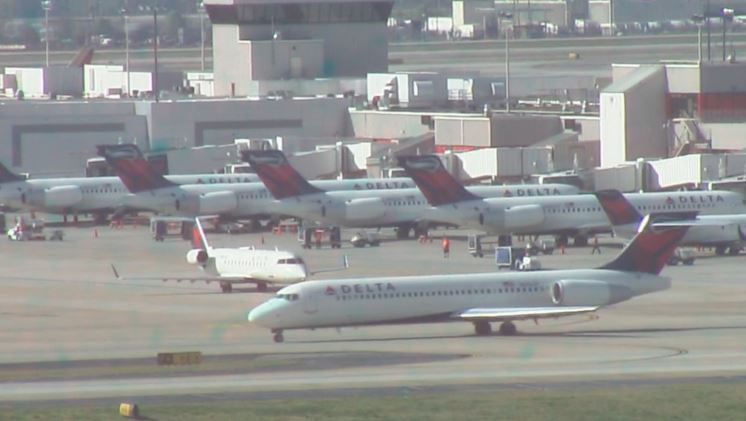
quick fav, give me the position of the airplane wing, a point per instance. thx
(519, 313)
(345, 265)
(192, 279)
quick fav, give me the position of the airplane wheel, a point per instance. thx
(226, 287)
(261, 287)
(720, 250)
(482, 328)
(508, 329)
(278, 338)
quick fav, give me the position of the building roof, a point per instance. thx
(633, 79)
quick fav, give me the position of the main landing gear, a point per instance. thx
(226, 287)
(483, 328)
(278, 338)
(261, 286)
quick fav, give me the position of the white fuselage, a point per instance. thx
(91, 194)
(360, 208)
(721, 229)
(419, 299)
(557, 214)
(270, 266)
(239, 200)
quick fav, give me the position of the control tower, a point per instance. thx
(296, 39)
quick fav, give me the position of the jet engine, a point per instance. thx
(366, 209)
(510, 219)
(197, 257)
(207, 203)
(58, 197)
(523, 216)
(588, 293)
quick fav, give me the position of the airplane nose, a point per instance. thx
(257, 314)
(266, 314)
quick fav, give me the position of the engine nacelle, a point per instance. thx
(208, 203)
(197, 257)
(58, 197)
(505, 220)
(588, 293)
(523, 216)
(366, 209)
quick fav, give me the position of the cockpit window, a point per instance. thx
(288, 297)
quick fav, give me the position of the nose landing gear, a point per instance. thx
(278, 338)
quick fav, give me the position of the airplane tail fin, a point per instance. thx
(435, 182)
(621, 211)
(280, 178)
(136, 172)
(199, 239)
(618, 209)
(650, 249)
(7, 175)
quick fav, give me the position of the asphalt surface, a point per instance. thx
(535, 57)
(62, 306)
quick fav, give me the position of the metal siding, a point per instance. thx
(479, 163)
(623, 178)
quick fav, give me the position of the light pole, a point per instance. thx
(507, 17)
(707, 25)
(47, 6)
(727, 15)
(125, 13)
(201, 9)
(155, 53)
(698, 20)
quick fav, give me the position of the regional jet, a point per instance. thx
(476, 298)
(578, 215)
(243, 265)
(724, 232)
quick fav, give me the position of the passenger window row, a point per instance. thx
(417, 294)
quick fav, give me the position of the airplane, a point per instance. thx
(243, 265)
(480, 298)
(402, 208)
(79, 195)
(578, 215)
(724, 232)
(152, 191)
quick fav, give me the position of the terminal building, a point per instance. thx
(296, 39)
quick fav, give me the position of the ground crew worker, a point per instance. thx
(446, 247)
(596, 248)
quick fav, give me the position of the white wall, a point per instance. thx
(612, 125)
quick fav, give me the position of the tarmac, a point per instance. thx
(61, 305)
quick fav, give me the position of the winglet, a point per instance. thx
(650, 249)
(345, 266)
(618, 209)
(136, 172)
(435, 182)
(7, 175)
(281, 179)
(116, 273)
